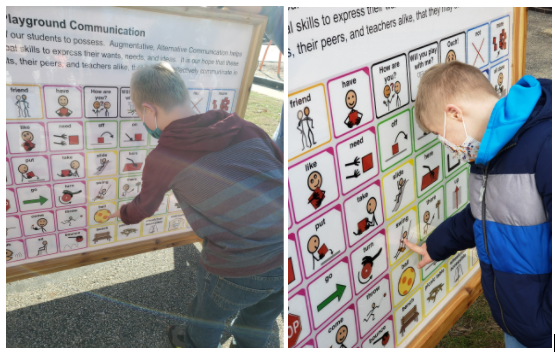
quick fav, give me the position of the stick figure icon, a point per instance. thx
(366, 223)
(397, 90)
(387, 93)
(25, 174)
(305, 126)
(97, 109)
(43, 248)
(354, 117)
(341, 336)
(74, 170)
(27, 137)
(451, 56)
(71, 219)
(153, 229)
(41, 223)
(374, 307)
(427, 221)
(107, 106)
(63, 111)
(103, 163)
(404, 235)
(18, 104)
(499, 87)
(314, 183)
(132, 111)
(399, 197)
(126, 190)
(22, 105)
(318, 253)
(102, 193)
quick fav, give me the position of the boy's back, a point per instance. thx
(511, 224)
(227, 176)
(508, 143)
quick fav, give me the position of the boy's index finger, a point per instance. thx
(414, 247)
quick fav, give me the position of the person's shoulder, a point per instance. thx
(155, 156)
(253, 130)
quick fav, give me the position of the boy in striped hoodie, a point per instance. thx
(227, 175)
(507, 142)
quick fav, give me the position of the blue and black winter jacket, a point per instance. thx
(509, 215)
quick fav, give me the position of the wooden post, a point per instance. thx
(520, 29)
(264, 56)
(279, 63)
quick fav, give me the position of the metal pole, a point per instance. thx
(264, 57)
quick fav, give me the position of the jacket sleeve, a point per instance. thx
(543, 176)
(453, 235)
(155, 184)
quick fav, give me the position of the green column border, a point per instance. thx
(379, 146)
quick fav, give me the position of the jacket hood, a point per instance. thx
(528, 103)
(210, 131)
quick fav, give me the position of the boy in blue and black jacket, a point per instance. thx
(507, 142)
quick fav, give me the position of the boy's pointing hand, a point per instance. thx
(421, 250)
(116, 214)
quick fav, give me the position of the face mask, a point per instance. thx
(467, 151)
(153, 133)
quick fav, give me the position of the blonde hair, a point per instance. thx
(444, 82)
(158, 84)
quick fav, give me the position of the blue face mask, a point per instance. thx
(153, 133)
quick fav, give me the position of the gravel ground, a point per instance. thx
(129, 302)
(269, 71)
(539, 44)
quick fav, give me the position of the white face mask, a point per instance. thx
(467, 151)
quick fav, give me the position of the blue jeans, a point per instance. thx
(512, 342)
(258, 299)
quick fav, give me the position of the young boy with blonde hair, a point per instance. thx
(227, 175)
(507, 142)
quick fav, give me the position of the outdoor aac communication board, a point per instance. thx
(362, 175)
(76, 148)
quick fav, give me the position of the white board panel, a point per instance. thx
(413, 184)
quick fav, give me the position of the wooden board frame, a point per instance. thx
(442, 322)
(89, 257)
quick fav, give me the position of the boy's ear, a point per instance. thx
(149, 108)
(453, 112)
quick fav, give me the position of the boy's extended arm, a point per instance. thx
(452, 235)
(155, 184)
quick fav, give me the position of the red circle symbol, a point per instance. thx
(366, 271)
